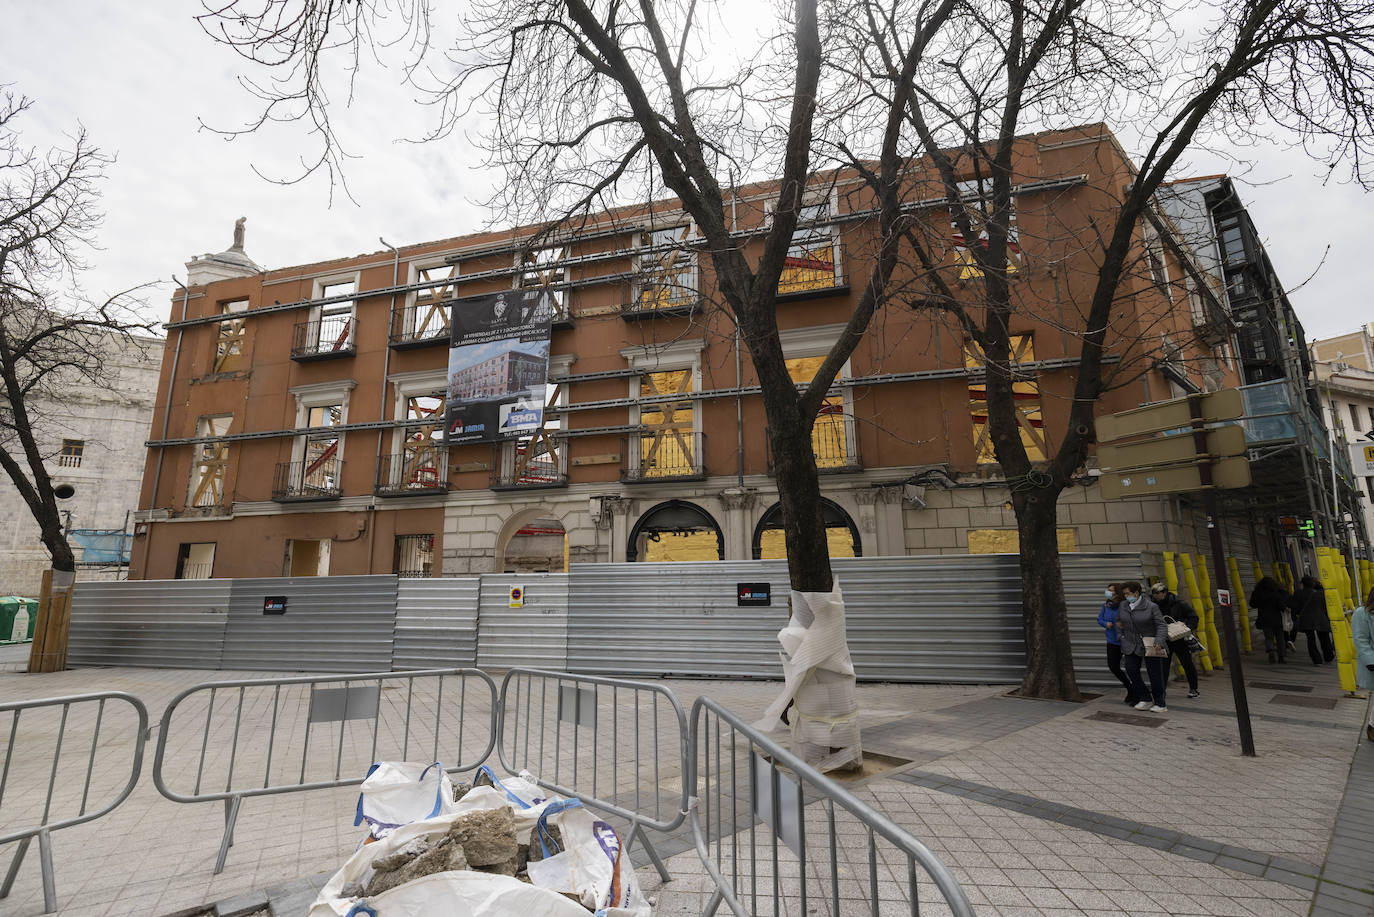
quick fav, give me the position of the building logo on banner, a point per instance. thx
(498, 366)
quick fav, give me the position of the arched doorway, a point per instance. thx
(675, 531)
(840, 533)
(533, 541)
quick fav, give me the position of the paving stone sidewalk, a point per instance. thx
(1038, 807)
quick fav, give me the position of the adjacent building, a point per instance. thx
(1343, 371)
(303, 406)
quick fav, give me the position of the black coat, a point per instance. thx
(1179, 610)
(1309, 610)
(1269, 605)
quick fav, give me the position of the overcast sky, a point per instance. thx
(142, 76)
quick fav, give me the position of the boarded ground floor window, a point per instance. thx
(841, 535)
(414, 555)
(1008, 541)
(676, 531)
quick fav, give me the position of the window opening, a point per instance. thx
(832, 434)
(542, 268)
(429, 315)
(335, 331)
(421, 463)
(1026, 393)
(1232, 243)
(539, 458)
(72, 451)
(307, 557)
(974, 206)
(841, 535)
(320, 464)
(811, 262)
(1159, 271)
(414, 555)
(668, 443)
(229, 341)
(539, 546)
(675, 531)
(196, 560)
(210, 462)
(666, 270)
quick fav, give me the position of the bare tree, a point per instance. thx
(592, 103)
(49, 339)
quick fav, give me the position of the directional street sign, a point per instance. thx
(1225, 404)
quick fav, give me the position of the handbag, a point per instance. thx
(1287, 620)
(1177, 629)
(1157, 650)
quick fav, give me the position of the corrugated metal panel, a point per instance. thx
(648, 620)
(331, 624)
(436, 623)
(954, 618)
(156, 623)
(536, 635)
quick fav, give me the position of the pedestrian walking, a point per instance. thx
(1362, 627)
(1270, 601)
(1175, 609)
(1106, 619)
(1309, 617)
(1144, 640)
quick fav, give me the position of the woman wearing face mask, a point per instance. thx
(1106, 619)
(1138, 618)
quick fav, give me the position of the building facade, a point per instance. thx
(1343, 371)
(93, 438)
(304, 406)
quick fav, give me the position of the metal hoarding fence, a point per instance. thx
(617, 745)
(157, 623)
(240, 739)
(528, 630)
(777, 836)
(436, 623)
(70, 797)
(327, 624)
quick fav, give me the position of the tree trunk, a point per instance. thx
(1049, 653)
(799, 495)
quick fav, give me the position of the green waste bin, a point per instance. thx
(9, 610)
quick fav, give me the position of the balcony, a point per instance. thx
(412, 473)
(530, 464)
(648, 300)
(308, 479)
(424, 323)
(813, 268)
(833, 440)
(324, 339)
(664, 455)
(1210, 321)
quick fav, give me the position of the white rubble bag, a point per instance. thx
(819, 681)
(591, 865)
(396, 793)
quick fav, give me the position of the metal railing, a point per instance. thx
(530, 463)
(414, 472)
(812, 265)
(22, 773)
(619, 746)
(778, 836)
(308, 479)
(423, 322)
(834, 440)
(332, 336)
(661, 296)
(250, 738)
(664, 455)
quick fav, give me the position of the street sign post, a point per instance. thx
(1158, 457)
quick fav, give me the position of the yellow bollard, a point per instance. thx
(1190, 579)
(1170, 573)
(1239, 603)
(1285, 573)
(1210, 618)
(1340, 628)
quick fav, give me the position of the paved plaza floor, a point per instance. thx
(1037, 807)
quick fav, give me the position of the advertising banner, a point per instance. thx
(498, 366)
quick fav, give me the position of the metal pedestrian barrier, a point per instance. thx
(618, 746)
(232, 740)
(773, 831)
(49, 726)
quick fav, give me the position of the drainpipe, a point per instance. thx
(381, 404)
(739, 363)
(166, 418)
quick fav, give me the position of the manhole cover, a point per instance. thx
(1275, 686)
(1320, 703)
(1127, 719)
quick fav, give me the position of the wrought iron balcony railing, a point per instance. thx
(664, 455)
(834, 441)
(421, 324)
(530, 463)
(813, 267)
(323, 339)
(308, 479)
(413, 472)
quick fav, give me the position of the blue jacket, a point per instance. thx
(1107, 618)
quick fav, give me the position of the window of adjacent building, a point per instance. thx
(414, 555)
(665, 269)
(72, 450)
(1154, 259)
(1354, 420)
(977, 201)
(1336, 422)
(812, 261)
(334, 322)
(209, 463)
(1232, 243)
(1371, 418)
(832, 435)
(1369, 488)
(669, 445)
(229, 340)
(544, 267)
(196, 560)
(307, 557)
(1025, 391)
(427, 315)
